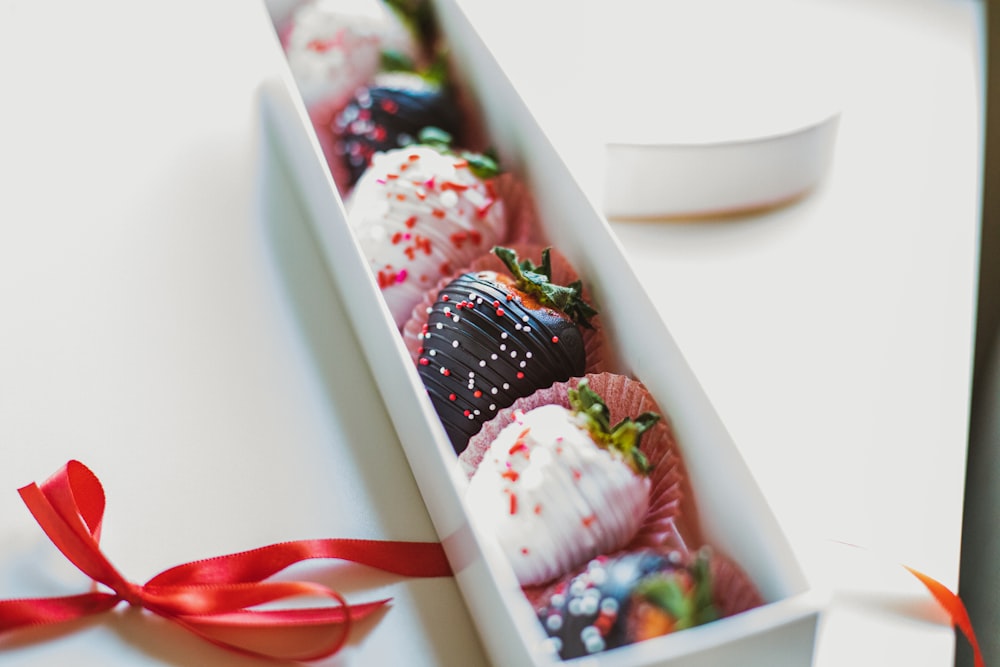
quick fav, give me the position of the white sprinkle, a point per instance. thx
(522, 364)
(513, 353)
(492, 356)
(493, 390)
(525, 319)
(554, 622)
(609, 606)
(575, 607)
(527, 354)
(475, 197)
(454, 343)
(506, 385)
(439, 326)
(594, 644)
(455, 319)
(482, 363)
(503, 335)
(503, 346)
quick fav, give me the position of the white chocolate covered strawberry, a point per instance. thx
(420, 213)
(558, 487)
(335, 46)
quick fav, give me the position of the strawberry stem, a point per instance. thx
(685, 594)
(537, 281)
(483, 165)
(623, 437)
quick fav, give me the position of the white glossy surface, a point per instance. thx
(160, 326)
(834, 335)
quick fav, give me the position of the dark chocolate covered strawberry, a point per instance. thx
(624, 599)
(390, 114)
(491, 338)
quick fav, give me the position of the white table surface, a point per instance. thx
(167, 321)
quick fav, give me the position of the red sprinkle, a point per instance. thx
(452, 397)
(520, 375)
(477, 394)
(510, 475)
(411, 221)
(513, 503)
(555, 339)
(445, 372)
(500, 312)
(519, 446)
(538, 509)
(424, 361)
(588, 520)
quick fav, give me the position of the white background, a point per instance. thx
(167, 321)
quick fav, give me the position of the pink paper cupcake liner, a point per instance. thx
(671, 521)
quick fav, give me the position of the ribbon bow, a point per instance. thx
(214, 598)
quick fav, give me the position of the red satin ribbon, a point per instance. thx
(213, 598)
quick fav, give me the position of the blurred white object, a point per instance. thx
(713, 108)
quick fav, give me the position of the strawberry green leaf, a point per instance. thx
(624, 437)
(537, 281)
(483, 165)
(685, 594)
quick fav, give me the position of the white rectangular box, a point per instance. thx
(734, 516)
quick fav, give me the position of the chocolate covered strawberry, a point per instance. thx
(390, 114)
(559, 486)
(628, 598)
(421, 212)
(492, 337)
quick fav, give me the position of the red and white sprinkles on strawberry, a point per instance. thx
(558, 487)
(335, 46)
(421, 213)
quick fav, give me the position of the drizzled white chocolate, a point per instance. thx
(335, 46)
(420, 216)
(552, 497)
